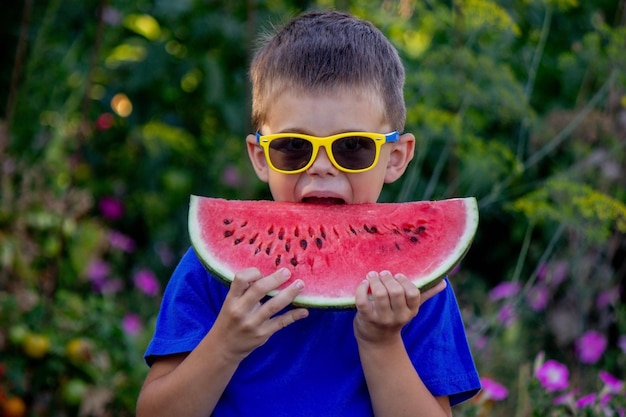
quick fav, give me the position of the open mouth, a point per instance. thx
(323, 200)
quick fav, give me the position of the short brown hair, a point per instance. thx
(329, 51)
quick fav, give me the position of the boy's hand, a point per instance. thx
(385, 303)
(244, 323)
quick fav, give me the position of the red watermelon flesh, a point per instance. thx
(332, 247)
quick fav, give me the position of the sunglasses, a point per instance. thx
(292, 153)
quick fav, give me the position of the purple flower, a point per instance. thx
(98, 270)
(121, 241)
(146, 282)
(608, 298)
(611, 383)
(493, 390)
(111, 286)
(553, 376)
(506, 315)
(504, 290)
(565, 399)
(559, 274)
(111, 208)
(587, 400)
(591, 346)
(131, 324)
(538, 297)
(621, 342)
(231, 176)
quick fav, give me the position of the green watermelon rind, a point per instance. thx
(226, 276)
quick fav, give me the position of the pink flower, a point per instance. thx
(111, 208)
(131, 324)
(121, 241)
(146, 282)
(587, 400)
(591, 346)
(504, 290)
(493, 390)
(553, 376)
(612, 384)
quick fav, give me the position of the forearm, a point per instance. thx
(191, 388)
(394, 386)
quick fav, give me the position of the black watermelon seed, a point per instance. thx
(318, 242)
(287, 246)
(352, 230)
(253, 238)
(270, 231)
(413, 239)
(268, 249)
(228, 233)
(227, 221)
(281, 233)
(323, 233)
(238, 240)
(303, 244)
(278, 260)
(244, 224)
(421, 229)
(294, 261)
(296, 232)
(257, 250)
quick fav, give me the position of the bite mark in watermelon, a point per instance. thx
(332, 248)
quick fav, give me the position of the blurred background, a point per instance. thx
(113, 112)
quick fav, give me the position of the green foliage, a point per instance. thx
(117, 111)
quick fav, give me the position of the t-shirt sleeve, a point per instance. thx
(190, 305)
(438, 347)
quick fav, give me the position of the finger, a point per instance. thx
(281, 300)
(431, 292)
(395, 291)
(362, 297)
(411, 292)
(380, 296)
(259, 288)
(243, 279)
(284, 320)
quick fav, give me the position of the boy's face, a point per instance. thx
(325, 115)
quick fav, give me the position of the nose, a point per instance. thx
(322, 165)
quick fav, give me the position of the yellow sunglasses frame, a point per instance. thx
(379, 140)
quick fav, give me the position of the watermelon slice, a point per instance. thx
(332, 248)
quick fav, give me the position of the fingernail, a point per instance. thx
(285, 272)
(371, 274)
(299, 284)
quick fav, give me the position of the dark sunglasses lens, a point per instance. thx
(290, 154)
(354, 152)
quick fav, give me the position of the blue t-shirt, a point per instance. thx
(312, 365)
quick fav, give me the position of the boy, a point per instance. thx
(221, 351)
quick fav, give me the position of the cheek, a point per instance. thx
(283, 186)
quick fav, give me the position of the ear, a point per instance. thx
(400, 156)
(257, 157)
